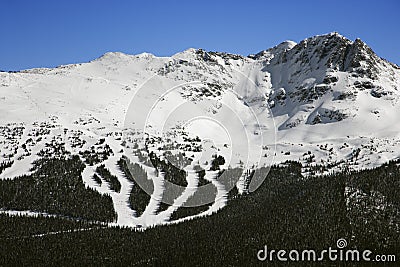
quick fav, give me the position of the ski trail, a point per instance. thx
(125, 215)
(189, 191)
(36, 214)
(149, 216)
(222, 195)
(241, 184)
(62, 232)
(220, 199)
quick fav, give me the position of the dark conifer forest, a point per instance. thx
(288, 211)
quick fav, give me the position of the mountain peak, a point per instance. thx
(362, 46)
(335, 33)
(117, 56)
(286, 45)
(273, 51)
(361, 60)
(112, 55)
(186, 54)
(282, 47)
(324, 39)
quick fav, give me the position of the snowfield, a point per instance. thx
(327, 102)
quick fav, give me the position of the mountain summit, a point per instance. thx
(333, 101)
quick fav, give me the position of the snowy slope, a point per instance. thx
(328, 90)
(326, 101)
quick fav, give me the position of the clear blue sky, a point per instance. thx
(49, 33)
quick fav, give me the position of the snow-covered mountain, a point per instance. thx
(330, 92)
(327, 102)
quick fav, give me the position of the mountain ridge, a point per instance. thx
(288, 43)
(326, 102)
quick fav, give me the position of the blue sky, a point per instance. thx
(50, 33)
